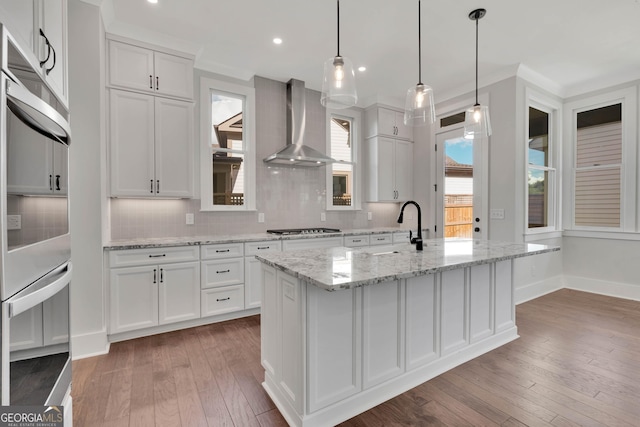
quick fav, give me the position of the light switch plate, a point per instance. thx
(323, 216)
(369, 216)
(14, 222)
(190, 219)
(260, 216)
(497, 214)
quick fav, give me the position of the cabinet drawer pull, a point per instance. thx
(263, 247)
(151, 187)
(380, 238)
(218, 251)
(58, 183)
(157, 83)
(357, 240)
(158, 186)
(155, 272)
(223, 299)
(150, 81)
(158, 256)
(51, 182)
(223, 271)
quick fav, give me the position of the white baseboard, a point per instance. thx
(538, 289)
(90, 344)
(603, 287)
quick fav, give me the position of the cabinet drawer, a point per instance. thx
(380, 239)
(254, 248)
(401, 237)
(355, 241)
(148, 256)
(312, 243)
(223, 250)
(222, 300)
(222, 272)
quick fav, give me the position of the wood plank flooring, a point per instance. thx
(577, 362)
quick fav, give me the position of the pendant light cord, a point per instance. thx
(338, 5)
(419, 46)
(477, 19)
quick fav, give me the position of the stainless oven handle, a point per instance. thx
(37, 114)
(40, 291)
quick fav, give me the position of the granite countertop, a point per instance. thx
(236, 238)
(346, 268)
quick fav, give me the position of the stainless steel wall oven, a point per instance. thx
(35, 267)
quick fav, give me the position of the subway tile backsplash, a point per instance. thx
(288, 197)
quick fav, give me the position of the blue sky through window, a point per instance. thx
(460, 150)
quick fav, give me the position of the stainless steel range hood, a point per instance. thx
(295, 153)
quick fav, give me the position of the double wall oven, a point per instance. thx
(35, 267)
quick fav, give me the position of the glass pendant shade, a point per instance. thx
(338, 84)
(477, 123)
(419, 108)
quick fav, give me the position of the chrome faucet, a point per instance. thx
(417, 240)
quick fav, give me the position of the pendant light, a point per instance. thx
(339, 82)
(476, 120)
(419, 109)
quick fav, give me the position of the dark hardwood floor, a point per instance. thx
(577, 362)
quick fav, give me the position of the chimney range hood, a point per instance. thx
(295, 153)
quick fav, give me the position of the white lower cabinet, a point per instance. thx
(143, 296)
(222, 300)
(252, 274)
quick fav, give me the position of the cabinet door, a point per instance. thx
(173, 148)
(60, 169)
(54, 26)
(403, 170)
(252, 282)
(20, 18)
(26, 329)
(403, 131)
(131, 67)
(55, 313)
(179, 292)
(386, 122)
(131, 127)
(134, 298)
(386, 170)
(173, 75)
(30, 148)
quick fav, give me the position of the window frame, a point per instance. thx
(355, 116)
(553, 109)
(207, 87)
(627, 97)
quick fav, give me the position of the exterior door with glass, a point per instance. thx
(460, 185)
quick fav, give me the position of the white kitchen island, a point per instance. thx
(343, 330)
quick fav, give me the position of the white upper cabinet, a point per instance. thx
(387, 122)
(151, 146)
(138, 68)
(389, 169)
(40, 28)
(54, 53)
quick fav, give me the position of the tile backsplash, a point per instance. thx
(288, 197)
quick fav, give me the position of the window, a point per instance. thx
(598, 167)
(541, 153)
(603, 156)
(342, 176)
(228, 147)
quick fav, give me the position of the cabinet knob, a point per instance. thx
(477, 229)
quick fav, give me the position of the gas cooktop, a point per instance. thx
(293, 231)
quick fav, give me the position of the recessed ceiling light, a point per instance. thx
(277, 40)
(361, 69)
(153, 1)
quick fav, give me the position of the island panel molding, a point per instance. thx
(329, 356)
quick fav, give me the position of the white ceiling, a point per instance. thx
(574, 44)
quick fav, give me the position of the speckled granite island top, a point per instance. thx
(346, 268)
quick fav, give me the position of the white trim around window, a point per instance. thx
(248, 151)
(629, 200)
(355, 176)
(553, 168)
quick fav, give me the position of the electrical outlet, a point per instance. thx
(190, 219)
(14, 222)
(323, 216)
(369, 216)
(497, 214)
(260, 216)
